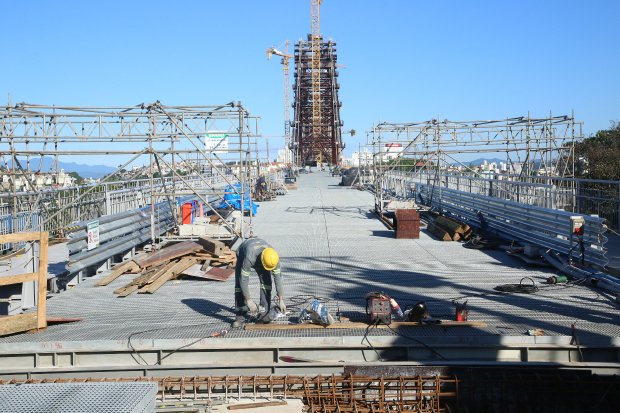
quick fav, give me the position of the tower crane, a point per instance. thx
(287, 125)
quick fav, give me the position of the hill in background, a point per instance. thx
(85, 171)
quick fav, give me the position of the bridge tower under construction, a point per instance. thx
(317, 127)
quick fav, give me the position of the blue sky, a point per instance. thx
(406, 60)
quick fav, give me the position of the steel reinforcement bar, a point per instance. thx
(335, 393)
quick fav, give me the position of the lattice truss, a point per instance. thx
(527, 144)
(317, 139)
(144, 140)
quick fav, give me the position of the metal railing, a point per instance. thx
(541, 226)
(118, 234)
(105, 199)
(581, 196)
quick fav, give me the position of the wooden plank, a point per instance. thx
(17, 323)
(168, 253)
(194, 271)
(19, 278)
(42, 284)
(161, 270)
(117, 271)
(142, 280)
(176, 269)
(350, 324)
(257, 404)
(139, 280)
(219, 274)
(212, 245)
(20, 237)
(127, 290)
(132, 286)
(62, 320)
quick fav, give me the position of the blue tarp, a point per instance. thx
(232, 199)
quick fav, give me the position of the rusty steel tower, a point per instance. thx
(317, 128)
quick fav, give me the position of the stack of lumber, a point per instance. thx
(154, 269)
(449, 229)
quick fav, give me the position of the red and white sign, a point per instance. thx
(393, 147)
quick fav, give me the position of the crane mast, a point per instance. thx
(287, 106)
(287, 97)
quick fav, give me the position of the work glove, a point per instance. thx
(251, 305)
(282, 304)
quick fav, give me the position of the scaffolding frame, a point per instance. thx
(434, 147)
(164, 137)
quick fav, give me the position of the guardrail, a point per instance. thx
(106, 199)
(582, 196)
(118, 234)
(545, 227)
(22, 222)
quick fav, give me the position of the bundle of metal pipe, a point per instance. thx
(119, 233)
(544, 227)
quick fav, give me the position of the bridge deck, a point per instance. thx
(332, 247)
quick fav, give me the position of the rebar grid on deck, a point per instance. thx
(335, 393)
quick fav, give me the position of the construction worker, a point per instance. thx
(257, 254)
(261, 187)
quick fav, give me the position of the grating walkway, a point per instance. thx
(78, 397)
(332, 247)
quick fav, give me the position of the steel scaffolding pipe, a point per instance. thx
(207, 142)
(434, 148)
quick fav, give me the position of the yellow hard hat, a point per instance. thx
(269, 257)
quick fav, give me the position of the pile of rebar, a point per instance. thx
(335, 393)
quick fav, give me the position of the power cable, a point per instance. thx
(365, 337)
(146, 363)
(432, 350)
(329, 248)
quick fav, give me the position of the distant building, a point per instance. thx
(37, 180)
(282, 155)
(363, 158)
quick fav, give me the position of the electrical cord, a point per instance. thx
(365, 337)
(146, 363)
(575, 342)
(612, 231)
(569, 284)
(304, 299)
(432, 350)
(518, 288)
(329, 248)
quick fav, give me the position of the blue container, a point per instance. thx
(232, 199)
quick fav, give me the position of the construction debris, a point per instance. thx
(185, 258)
(210, 273)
